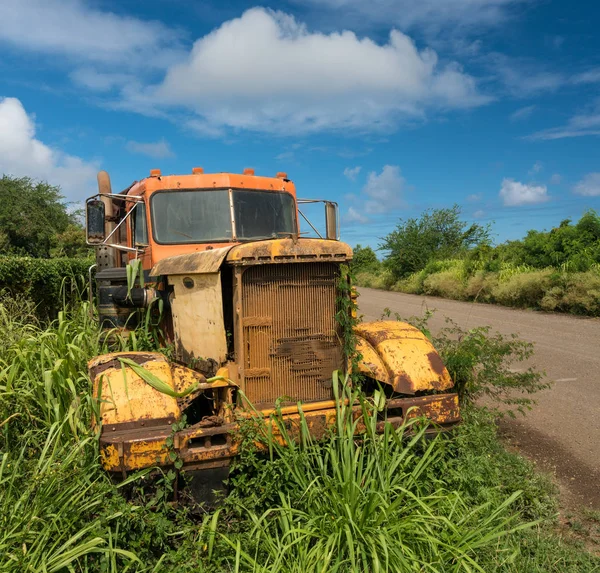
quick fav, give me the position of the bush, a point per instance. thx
(381, 279)
(448, 284)
(524, 290)
(48, 283)
(481, 285)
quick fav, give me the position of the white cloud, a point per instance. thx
(522, 113)
(523, 77)
(352, 172)
(384, 190)
(355, 216)
(536, 168)
(589, 186)
(478, 214)
(430, 14)
(555, 179)
(158, 149)
(513, 193)
(475, 197)
(22, 155)
(290, 80)
(580, 125)
(591, 76)
(75, 29)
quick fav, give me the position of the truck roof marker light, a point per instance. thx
(197, 170)
(248, 171)
(154, 172)
(281, 175)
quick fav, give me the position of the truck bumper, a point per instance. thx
(138, 445)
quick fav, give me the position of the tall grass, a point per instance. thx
(383, 502)
(374, 503)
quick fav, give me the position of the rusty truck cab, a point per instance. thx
(250, 308)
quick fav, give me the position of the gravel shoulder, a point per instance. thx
(562, 432)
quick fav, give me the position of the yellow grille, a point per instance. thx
(291, 336)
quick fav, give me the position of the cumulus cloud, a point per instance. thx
(355, 216)
(351, 173)
(589, 186)
(76, 29)
(475, 197)
(158, 149)
(288, 79)
(22, 155)
(513, 193)
(384, 190)
(555, 179)
(478, 214)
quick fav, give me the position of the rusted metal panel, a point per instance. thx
(411, 361)
(127, 401)
(197, 310)
(371, 364)
(193, 263)
(291, 339)
(129, 448)
(124, 396)
(289, 250)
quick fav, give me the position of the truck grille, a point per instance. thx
(292, 339)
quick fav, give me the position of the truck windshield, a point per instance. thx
(199, 216)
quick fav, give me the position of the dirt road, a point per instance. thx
(562, 432)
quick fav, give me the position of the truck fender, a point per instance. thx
(124, 397)
(400, 355)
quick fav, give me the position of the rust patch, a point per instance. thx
(436, 363)
(403, 384)
(98, 368)
(314, 355)
(288, 250)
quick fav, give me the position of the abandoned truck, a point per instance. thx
(250, 309)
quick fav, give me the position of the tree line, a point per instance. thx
(36, 222)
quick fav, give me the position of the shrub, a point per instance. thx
(480, 286)
(46, 282)
(523, 289)
(448, 284)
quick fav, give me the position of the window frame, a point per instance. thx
(230, 190)
(134, 225)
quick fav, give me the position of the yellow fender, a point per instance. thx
(127, 398)
(400, 355)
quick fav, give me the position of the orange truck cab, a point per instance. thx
(250, 308)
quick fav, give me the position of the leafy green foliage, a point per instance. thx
(364, 259)
(34, 219)
(392, 500)
(557, 270)
(48, 283)
(437, 234)
(482, 363)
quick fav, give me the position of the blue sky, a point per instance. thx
(388, 107)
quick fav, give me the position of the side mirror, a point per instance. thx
(94, 221)
(331, 221)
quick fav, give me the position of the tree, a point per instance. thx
(71, 243)
(436, 234)
(32, 214)
(364, 258)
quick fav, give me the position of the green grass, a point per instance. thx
(390, 502)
